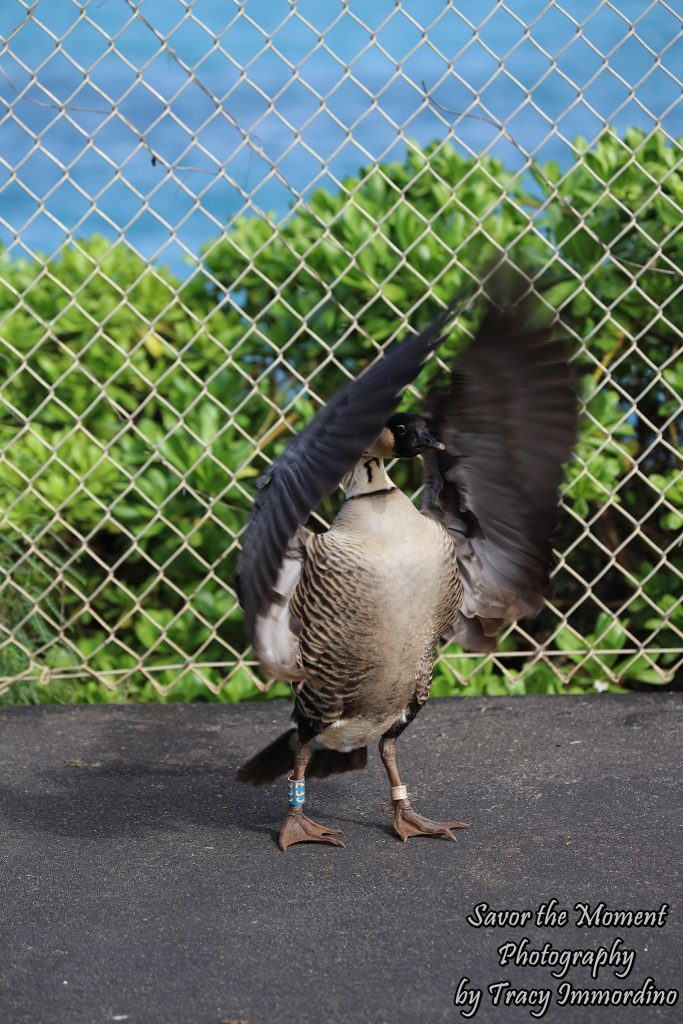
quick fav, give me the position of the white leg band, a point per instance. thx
(399, 793)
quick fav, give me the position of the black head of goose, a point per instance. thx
(335, 612)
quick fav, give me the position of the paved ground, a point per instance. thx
(141, 884)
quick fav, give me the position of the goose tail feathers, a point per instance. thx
(278, 759)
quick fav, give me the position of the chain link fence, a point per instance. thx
(212, 214)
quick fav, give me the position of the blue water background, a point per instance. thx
(142, 151)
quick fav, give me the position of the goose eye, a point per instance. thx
(401, 429)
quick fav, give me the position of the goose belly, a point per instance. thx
(373, 607)
(355, 731)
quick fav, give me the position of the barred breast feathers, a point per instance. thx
(362, 648)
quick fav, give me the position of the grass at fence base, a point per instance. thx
(90, 691)
(123, 480)
(539, 680)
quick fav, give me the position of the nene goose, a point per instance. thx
(353, 616)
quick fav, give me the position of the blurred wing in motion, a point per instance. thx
(508, 419)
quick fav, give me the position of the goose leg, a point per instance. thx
(407, 822)
(297, 828)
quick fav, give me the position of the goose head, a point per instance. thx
(404, 436)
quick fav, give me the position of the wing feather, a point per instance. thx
(508, 419)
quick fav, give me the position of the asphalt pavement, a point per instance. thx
(140, 883)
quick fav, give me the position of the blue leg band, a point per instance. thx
(297, 792)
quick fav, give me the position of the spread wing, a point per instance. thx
(508, 419)
(316, 461)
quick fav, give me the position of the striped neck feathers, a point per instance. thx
(367, 476)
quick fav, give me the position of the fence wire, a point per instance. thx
(161, 125)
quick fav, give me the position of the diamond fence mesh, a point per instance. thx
(212, 215)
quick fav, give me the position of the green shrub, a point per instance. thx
(116, 376)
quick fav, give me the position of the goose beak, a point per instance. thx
(426, 440)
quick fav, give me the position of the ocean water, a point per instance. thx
(159, 121)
